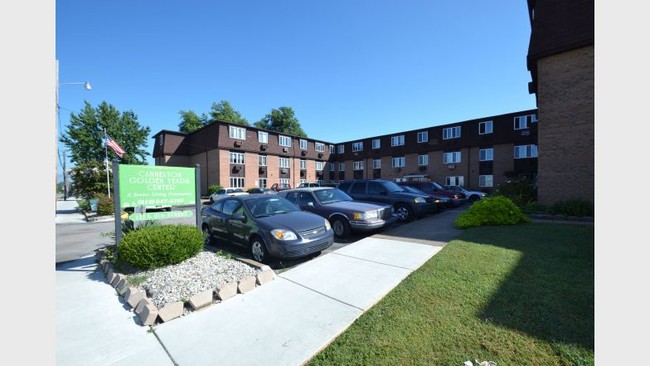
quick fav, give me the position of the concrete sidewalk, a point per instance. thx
(284, 322)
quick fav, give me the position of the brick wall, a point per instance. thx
(566, 126)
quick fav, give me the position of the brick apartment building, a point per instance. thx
(561, 64)
(478, 154)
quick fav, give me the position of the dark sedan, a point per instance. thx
(269, 225)
(344, 214)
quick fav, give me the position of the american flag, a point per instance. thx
(115, 146)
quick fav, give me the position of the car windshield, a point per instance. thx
(413, 190)
(326, 196)
(393, 187)
(269, 205)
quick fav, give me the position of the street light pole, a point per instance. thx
(58, 127)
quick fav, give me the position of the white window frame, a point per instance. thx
(319, 165)
(399, 162)
(303, 144)
(485, 128)
(261, 182)
(423, 136)
(332, 167)
(376, 144)
(376, 164)
(237, 182)
(263, 137)
(455, 180)
(341, 167)
(525, 151)
(238, 133)
(357, 146)
(451, 133)
(284, 141)
(261, 160)
(423, 160)
(319, 146)
(237, 158)
(332, 149)
(397, 140)
(340, 149)
(284, 182)
(453, 157)
(358, 165)
(284, 163)
(486, 154)
(303, 164)
(486, 180)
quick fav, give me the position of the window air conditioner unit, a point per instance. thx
(284, 149)
(451, 166)
(263, 147)
(237, 143)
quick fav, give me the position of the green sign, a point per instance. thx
(160, 215)
(155, 186)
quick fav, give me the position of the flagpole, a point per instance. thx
(108, 178)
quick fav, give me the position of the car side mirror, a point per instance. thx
(238, 217)
(310, 204)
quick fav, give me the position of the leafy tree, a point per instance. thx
(281, 120)
(223, 111)
(88, 179)
(84, 136)
(191, 122)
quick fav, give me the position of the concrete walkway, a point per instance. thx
(284, 322)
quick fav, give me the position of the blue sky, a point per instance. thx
(349, 69)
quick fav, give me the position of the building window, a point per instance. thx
(423, 160)
(303, 164)
(357, 146)
(332, 167)
(331, 149)
(237, 182)
(341, 149)
(399, 162)
(451, 133)
(284, 162)
(263, 137)
(376, 144)
(301, 181)
(455, 180)
(522, 122)
(341, 167)
(525, 151)
(486, 154)
(376, 164)
(237, 133)
(284, 141)
(319, 165)
(262, 160)
(358, 165)
(262, 182)
(236, 158)
(423, 136)
(485, 181)
(161, 140)
(451, 157)
(320, 147)
(303, 144)
(397, 140)
(284, 182)
(485, 128)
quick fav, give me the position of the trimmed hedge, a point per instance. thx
(159, 246)
(498, 210)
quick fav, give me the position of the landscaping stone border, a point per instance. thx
(150, 315)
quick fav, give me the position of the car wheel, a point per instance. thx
(207, 235)
(211, 200)
(473, 198)
(341, 227)
(404, 212)
(258, 250)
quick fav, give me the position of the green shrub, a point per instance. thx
(104, 205)
(84, 205)
(534, 208)
(498, 210)
(520, 190)
(577, 207)
(213, 188)
(160, 245)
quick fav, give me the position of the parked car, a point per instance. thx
(260, 191)
(309, 184)
(430, 187)
(223, 192)
(280, 187)
(408, 206)
(442, 201)
(269, 225)
(472, 196)
(344, 214)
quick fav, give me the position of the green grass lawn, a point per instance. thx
(516, 295)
